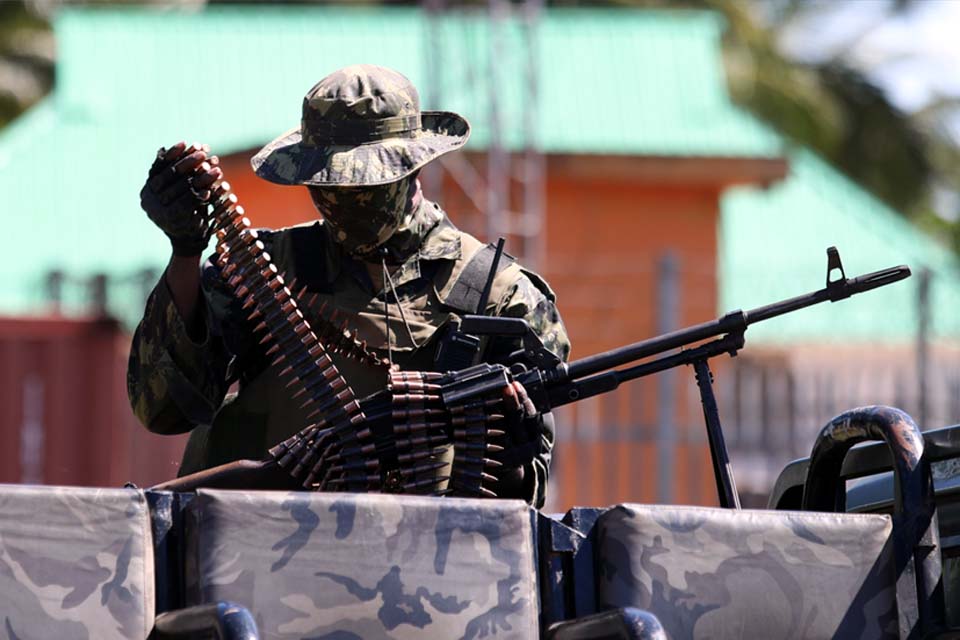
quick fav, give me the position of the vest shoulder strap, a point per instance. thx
(464, 294)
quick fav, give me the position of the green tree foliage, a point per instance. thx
(26, 58)
(834, 107)
(909, 160)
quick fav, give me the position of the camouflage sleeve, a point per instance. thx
(173, 382)
(530, 298)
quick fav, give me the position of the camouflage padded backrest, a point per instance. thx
(720, 573)
(313, 565)
(75, 563)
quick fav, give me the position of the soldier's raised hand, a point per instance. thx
(176, 194)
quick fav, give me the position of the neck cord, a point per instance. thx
(386, 306)
(387, 279)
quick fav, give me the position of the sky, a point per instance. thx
(914, 55)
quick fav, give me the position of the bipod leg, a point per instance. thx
(722, 470)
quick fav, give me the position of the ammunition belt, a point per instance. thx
(404, 442)
(397, 440)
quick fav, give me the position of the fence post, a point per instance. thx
(54, 286)
(668, 319)
(98, 295)
(923, 344)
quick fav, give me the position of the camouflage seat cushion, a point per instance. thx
(719, 573)
(75, 563)
(312, 565)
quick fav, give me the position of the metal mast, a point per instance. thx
(507, 185)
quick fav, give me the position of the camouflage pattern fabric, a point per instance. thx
(75, 564)
(173, 383)
(363, 218)
(377, 567)
(176, 385)
(361, 125)
(718, 573)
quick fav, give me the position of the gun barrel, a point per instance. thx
(833, 292)
(733, 322)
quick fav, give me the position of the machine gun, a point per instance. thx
(394, 443)
(552, 383)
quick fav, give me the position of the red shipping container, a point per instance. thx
(64, 413)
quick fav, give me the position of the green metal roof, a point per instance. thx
(132, 79)
(612, 81)
(773, 246)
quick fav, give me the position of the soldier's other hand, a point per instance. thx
(517, 400)
(521, 424)
(176, 193)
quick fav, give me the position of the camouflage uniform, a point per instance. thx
(176, 384)
(361, 141)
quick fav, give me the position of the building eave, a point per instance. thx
(704, 171)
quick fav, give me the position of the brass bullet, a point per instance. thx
(476, 447)
(460, 472)
(473, 490)
(420, 454)
(227, 207)
(475, 405)
(325, 401)
(413, 484)
(356, 465)
(465, 420)
(421, 468)
(273, 314)
(420, 441)
(419, 387)
(470, 432)
(406, 413)
(414, 398)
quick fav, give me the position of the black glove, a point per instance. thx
(176, 193)
(521, 424)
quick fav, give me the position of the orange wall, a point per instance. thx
(604, 241)
(266, 204)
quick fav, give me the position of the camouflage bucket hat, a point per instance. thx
(361, 126)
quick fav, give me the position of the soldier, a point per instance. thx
(383, 258)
